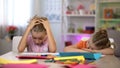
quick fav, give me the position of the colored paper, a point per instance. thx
(24, 66)
(87, 55)
(34, 54)
(29, 55)
(79, 58)
(84, 66)
(5, 61)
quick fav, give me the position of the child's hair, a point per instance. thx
(39, 27)
(100, 39)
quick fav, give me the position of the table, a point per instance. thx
(108, 61)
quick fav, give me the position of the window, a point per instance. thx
(17, 12)
(52, 10)
(14, 12)
(1, 11)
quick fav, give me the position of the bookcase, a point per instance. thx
(108, 14)
(78, 20)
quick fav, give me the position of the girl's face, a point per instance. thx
(91, 45)
(38, 37)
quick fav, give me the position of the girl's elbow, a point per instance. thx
(53, 50)
(20, 50)
(65, 49)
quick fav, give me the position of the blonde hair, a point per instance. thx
(39, 27)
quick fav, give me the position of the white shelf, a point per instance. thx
(109, 1)
(76, 34)
(78, 15)
(117, 20)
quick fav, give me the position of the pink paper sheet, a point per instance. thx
(24, 66)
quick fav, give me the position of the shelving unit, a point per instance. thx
(108, 14)
(78, 16)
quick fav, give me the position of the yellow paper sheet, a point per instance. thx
(5, 61)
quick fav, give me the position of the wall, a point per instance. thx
(56, 29)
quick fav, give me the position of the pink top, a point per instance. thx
(32, 47)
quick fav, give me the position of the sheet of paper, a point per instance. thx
(25, 66)
(31, 53)
(5, 61)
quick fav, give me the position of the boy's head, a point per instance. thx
(38, 33)
(99, 40)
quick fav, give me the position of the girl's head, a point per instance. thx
(38, 33)
(99, 40)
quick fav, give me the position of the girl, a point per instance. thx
(38, 37)
(99, 42)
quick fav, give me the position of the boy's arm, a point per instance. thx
(52, 43)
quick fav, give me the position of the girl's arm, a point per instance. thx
(52, 43)
(106, 51)
(73, 48)
(23, 43)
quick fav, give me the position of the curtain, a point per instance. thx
(52, 10)
(2, 18)
(16, 13)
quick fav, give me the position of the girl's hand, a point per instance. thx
(45, 22)
(34, 21)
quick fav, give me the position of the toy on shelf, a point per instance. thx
(92, 9)
(69, 10)
(108, 13)
(81, 10)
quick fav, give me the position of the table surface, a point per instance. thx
(108, 61)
